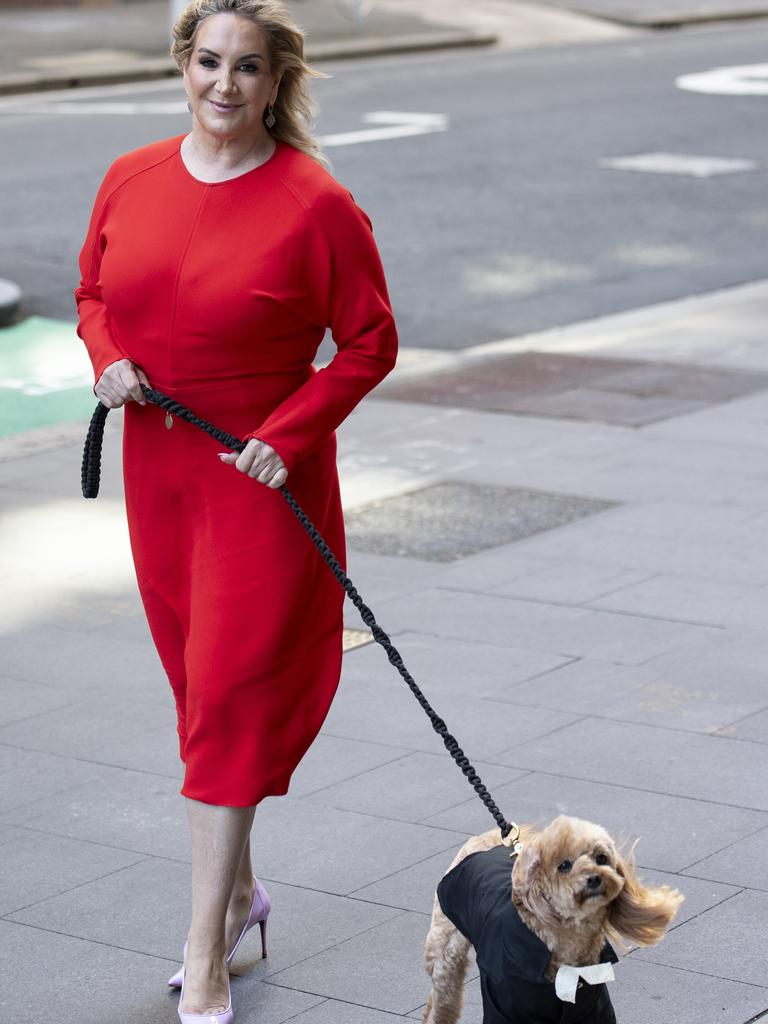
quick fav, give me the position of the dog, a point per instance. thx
(539, 916)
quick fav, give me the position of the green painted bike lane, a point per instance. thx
(46, 376)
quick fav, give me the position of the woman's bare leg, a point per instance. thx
(219, 836)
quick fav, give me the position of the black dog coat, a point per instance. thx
(476, 896)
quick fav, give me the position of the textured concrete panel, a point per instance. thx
(673, 831)
(409, 788)
(647, 694)
(131, 810)
(744, 862)
(385, 711)
(449, 520)
(558, 629)
(38, 866)
(299, 843)
(662, 760)
(382, 968)
(449, 665)
(724, 942)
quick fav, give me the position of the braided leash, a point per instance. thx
(91, 473)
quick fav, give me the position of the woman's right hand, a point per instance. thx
(119, 383)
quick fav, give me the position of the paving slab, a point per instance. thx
(29, 777)
(571, 582)
(332, 1011)
(658, 760)
(744, 862)
(104, 730)
(384, 710)
(151, 818)
(381, 968)
(701, 945)
(408, 789)
(447, 665)
(754, 728)
(37, 867)
(374, 847)
(646, 992)
(21, 698)
(332, 759)
(673, 831)
(155, 914)
(647, 694)
(557, 629)
(671, 13)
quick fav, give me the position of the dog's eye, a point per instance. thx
(564, 867)
(601, 859)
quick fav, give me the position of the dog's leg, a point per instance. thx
(447, 957)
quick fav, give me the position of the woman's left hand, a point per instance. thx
(259, 461)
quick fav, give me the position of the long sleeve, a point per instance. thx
(349, 293)
(93, 325)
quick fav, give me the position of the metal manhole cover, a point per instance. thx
(450, 520)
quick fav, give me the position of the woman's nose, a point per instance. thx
(225, 83)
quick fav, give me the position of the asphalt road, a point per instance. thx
(502, 224)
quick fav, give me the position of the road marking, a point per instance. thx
(679, 163)
(395, 125)
(736, 80)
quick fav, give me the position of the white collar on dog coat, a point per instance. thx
(567, 979)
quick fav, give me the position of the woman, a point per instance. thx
(213, 263)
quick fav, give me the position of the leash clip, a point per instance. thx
(512, 840)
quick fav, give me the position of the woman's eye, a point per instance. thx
(209, 60)
(601, 859)
(564, 867)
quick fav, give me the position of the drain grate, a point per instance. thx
(618, 391)
(453, 519)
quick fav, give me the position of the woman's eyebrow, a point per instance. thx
(204, 49)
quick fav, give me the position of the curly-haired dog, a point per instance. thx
(539, 922)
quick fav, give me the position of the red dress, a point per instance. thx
(221, 293)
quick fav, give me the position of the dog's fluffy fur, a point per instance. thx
(569, 910)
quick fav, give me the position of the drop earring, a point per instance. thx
(189, 106)
(270, 119)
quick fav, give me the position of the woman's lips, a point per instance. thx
(223, 108)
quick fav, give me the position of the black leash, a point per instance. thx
(91, 473)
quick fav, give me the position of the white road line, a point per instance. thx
(736, 80)
(679, 163)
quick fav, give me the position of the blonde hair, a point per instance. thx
(294, 107)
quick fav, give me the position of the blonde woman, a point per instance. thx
(213, 264)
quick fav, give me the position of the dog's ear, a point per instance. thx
(529, 883)
(642, 913)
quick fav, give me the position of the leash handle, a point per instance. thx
(90, 478)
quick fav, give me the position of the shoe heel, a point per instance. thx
(263, 928)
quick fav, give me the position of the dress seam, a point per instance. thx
(175, 293)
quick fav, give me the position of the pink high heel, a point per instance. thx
(226, 1017)
(261, 905)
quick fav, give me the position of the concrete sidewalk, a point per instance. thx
(669, 14)
(59, 47)
(608, 663)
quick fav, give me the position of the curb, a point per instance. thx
(659, 20)
(144, 68)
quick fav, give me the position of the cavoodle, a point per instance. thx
(540, 921)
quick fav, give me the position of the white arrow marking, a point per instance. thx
(738, 80)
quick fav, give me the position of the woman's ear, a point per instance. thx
(640, 913)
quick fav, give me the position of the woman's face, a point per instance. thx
(227, 78)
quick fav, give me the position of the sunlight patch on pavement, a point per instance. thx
(59, 554)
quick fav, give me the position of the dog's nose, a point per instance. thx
(594, 882)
